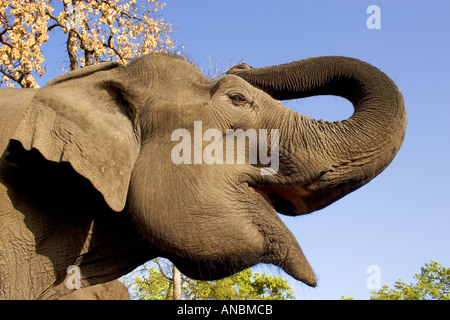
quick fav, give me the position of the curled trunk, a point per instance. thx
(340, 156)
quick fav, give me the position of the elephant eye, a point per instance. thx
(237, 99)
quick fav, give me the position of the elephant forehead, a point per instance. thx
(231, 80)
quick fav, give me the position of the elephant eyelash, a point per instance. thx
(237, 99)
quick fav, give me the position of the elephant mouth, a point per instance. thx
(288, 200)
(280, 247)
(295, 200)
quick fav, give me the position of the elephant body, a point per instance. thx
(88, 176)
(48, 221)
(113, 290)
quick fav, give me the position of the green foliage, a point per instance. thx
(244, 285)
(154, 286)
(155, 283)
(433, 283)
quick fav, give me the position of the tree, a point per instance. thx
(155, 282)
(433, 283)
(96, 31)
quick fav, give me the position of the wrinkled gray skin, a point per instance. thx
(87, 176)
(113, 290)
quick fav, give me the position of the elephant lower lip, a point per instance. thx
(279, 247)
(292, 261)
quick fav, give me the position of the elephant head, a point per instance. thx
(161, 142)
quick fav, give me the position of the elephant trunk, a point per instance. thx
(334, 159)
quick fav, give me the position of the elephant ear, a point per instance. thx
(83, 118)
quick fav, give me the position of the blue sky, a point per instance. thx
(401, 219)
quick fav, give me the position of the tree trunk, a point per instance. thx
(176, 283)
(71, 50)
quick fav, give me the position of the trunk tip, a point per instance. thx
(303, 273)
(297, 266)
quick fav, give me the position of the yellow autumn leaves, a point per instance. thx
(22, 31)
(96, 31)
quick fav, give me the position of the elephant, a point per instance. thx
(113, 290)
(112, 165)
